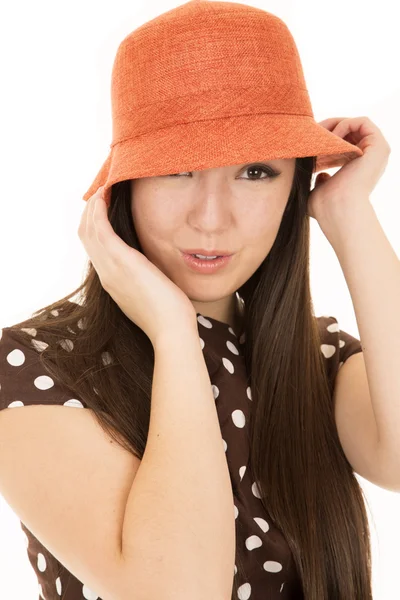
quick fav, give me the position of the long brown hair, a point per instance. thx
(307, 486)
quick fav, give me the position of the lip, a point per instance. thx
(207, 252)
(204, 266)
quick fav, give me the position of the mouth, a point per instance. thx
(206, 265)
(200, 253)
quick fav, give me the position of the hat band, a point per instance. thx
(209, 104)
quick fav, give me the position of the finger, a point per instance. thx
(107, 243)
(90, 210)
(102, 228)
(331, 123)
(107, 251)
(94, 240)
(88, 233)
(83, 225)
(360, 132)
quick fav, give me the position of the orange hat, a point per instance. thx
(210, 84)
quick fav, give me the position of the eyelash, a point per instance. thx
(271, 173)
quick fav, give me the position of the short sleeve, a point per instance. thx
(348, 345)
(23, 378)
(336, 345)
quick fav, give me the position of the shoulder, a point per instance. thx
(24, 380)
(335, 341)
(337, 345)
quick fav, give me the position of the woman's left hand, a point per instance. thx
(356, 179)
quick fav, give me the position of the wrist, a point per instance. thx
(183, 332)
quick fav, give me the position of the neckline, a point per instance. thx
(219, 326)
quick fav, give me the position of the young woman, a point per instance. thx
(217, 452)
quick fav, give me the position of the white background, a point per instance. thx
(56, 61)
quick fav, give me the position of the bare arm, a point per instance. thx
(178, 538)
(162, 527)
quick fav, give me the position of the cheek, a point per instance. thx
(144, 213)
(155, 226)
(263, 225)
(143, 223)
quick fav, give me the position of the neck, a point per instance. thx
(239, 317)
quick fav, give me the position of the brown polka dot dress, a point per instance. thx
(268, 561)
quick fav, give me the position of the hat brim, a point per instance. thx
(222, 142)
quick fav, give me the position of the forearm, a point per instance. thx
(179, 526)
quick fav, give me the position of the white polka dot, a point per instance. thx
(54, 312)
(248, 392)
(341, 343)
(202, 344)
(253, 542)
(16, 358)
(106, 358)
(82, 323)
(39, 345)
(15, 404)
(67, 344)
(244, 591)
(333, 327)
(232, 347)
(262, 523)
(235, 511)
(29, 330)
(215, 391)
(340, 364)
(238, 418)
(58, 586)
(255, 490)
(41, 592)
(70, 330)
(41, 562)
(43, 382)
(26, 539)
(225, 445)
(228, 365)
(74, 403)
(88, 594)
(272, 566)
(231, 331)
(205, 322)
(234, 570)
(282, 587)
(328, 350)
(242, 471)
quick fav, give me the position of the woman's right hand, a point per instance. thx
(146, 296)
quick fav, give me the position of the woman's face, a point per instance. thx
(237, 208)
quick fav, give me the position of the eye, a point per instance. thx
(174, 175)
(270, 173)
(257, 169)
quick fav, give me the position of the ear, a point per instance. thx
(321, 177)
